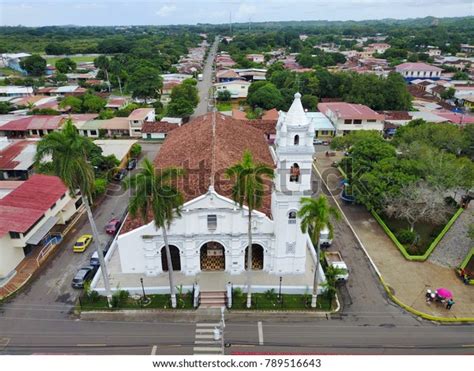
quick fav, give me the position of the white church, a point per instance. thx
(211, 234)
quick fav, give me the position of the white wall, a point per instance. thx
(11, 256)
(365, 125)
(190, 232)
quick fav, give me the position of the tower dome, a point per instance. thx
(296, 115)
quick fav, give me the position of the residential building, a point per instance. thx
(28, 214)
(251, 74)
(256, 58)
(347, 117)
(15, 91)
(211, 234)
(116, 103)
(16, 158)
(157, 130)
(466, 48)
(237, 89)
(323, 128)
(120, 148)
(412, 71)
(379, 48)
(227, 75)
(137, 118)
(35, 126)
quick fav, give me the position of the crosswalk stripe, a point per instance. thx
(204, 342)
(207, 349)
(207, 324)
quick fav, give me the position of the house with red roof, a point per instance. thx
(208, 241)
(347, 117)
(16, 158)
(418, 70)
(35, 126)
(27, 216)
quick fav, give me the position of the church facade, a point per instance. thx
(211, 234)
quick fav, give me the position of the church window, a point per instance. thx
(297, 140)
(295, 173)
(212, 222)
(292, 217)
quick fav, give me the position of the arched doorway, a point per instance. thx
(257, 257)
(175, 258)
(212, 257)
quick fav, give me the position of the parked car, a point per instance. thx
(334, 259)
(119, 175)
(112, 226)
(132, 164)
(94, 260)
(82, 276)
(324, 238)
(82, 243)
(326, 142)
(317, 141)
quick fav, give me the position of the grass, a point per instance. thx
(5, 71)
(289, 302)
(224, 106)
(157, 302)
(75, 58)
(427, 233)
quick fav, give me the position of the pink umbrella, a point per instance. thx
(445, 293)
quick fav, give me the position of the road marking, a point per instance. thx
(207, 349)
(207, 324)
(260, 333)
(204, 339)
(204, 336)
(153, 350)
(4, 342)
(91, 345)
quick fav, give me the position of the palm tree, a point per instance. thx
(316, 214)
(154, 192)
(249, 189)
(68, 152)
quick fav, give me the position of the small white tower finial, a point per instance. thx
(297, 95)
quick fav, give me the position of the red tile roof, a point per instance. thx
(23, 207)
(140, 113)
(349, 111)
(158, 127)
(271, 114)
(39, 122)
(9, 154)
(191, 146)
(238, 114)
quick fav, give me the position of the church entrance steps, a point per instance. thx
(212, 299)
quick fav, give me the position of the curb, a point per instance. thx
(382, 281)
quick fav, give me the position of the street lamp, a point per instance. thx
(145, 300)
(279, 290)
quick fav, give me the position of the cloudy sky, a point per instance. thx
(159, 12)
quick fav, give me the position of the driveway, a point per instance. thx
(50, 294)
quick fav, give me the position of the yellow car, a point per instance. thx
(82, 243)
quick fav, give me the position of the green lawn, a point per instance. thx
(157, 302)
(289, 302)
(224, 106)
(5, 71)
(75, 58)
(427, 233)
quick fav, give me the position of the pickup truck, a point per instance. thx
(334, 259)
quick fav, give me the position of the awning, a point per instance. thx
(42, 231)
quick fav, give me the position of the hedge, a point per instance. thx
(406, 255)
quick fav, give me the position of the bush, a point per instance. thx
(136, 150)
(93, 296)
(271, 295)
(120, 298)
(405, 236)
(100, 186)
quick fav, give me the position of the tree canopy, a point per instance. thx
(34, 65)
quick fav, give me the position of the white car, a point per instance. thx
(317, 141)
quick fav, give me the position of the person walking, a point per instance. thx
(449, 304)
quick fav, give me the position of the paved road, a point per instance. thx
(38, 320)
(50, 294)
(206, 83)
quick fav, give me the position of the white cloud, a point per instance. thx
(165, 10)
(245, 11)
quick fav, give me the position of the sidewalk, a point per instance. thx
(407, 280)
